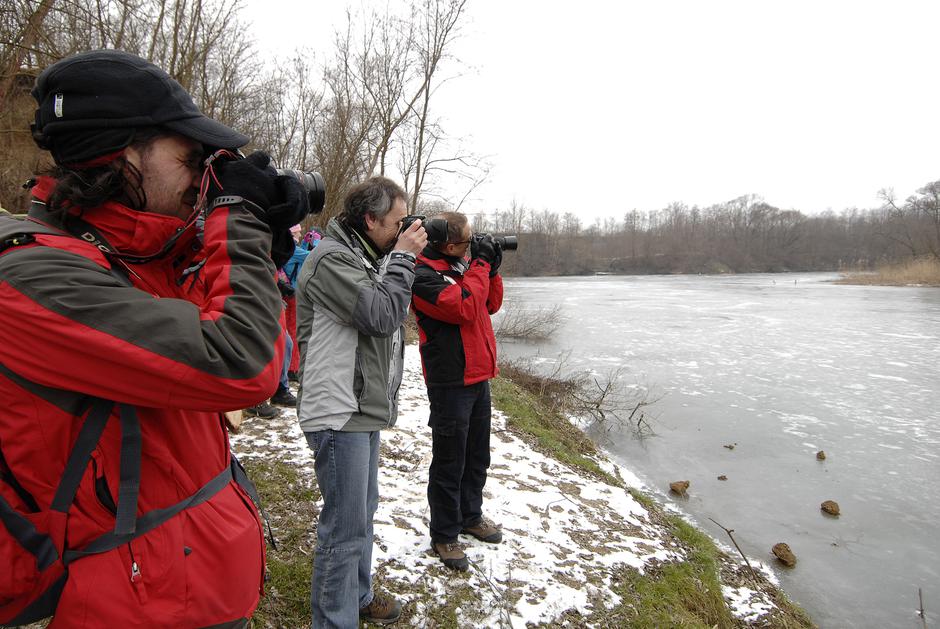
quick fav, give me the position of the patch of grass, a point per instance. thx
(411, 328)
(432, 609)
(920, 271)
(554, 435)
(288, 501)
(683, 594)
(688, 594)
(644, 500)
(677, 594)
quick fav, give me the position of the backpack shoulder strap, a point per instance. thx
(15, 232)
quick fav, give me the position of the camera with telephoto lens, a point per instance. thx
(436, 228)
(312, 182)
(505, 243)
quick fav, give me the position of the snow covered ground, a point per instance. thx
(565, 534)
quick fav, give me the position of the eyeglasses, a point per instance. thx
(461, 242)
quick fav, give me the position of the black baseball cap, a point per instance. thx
(115, 92)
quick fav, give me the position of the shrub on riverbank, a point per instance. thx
(919, 271)
(552, 434)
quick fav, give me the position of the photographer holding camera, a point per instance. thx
(352, 299)
(454, 296)
(139, 303)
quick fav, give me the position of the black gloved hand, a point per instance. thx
(282, 246)
(251, 178)
(286, 289)
(497, 258)
(483, 247)
(291, 207)
(279, 201)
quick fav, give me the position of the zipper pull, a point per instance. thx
(135, 572)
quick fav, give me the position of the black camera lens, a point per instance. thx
(312, 183)
(436, 228)
(507, 243)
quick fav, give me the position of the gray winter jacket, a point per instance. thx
(350, 311)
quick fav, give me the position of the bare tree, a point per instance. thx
(438, 20)
(19, 37)
(191, 39)
(900, 231)
(387, 73)
(926, 204)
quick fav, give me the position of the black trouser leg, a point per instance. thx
(450, 421)
(477, 459)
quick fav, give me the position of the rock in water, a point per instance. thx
(782, 552)
(831, 507)
(821, 455)
(722, 477)
(679, 487)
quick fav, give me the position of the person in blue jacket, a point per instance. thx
(292, 269)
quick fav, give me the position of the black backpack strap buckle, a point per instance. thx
(16, 240)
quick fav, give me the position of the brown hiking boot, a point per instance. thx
(383, 610)
(485, 531)
(451, 556)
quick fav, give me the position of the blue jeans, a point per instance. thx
(288, 350)
(346, 464)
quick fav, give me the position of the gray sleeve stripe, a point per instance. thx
(238, 344)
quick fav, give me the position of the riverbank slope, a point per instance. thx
(580, 548)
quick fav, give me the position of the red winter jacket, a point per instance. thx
(180, 350)
(453, 310)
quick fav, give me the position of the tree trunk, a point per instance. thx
(19, 48)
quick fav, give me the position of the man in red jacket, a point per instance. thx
(453, 296)
(141, 305)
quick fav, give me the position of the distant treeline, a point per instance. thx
(744, 235)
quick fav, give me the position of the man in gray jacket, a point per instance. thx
(352, 298)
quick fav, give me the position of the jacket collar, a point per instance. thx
(128, 231)
(354, 240)
(440, 262)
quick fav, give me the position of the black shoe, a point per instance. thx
(263, 410)
(283, 397)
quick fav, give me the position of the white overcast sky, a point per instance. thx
(601, 107)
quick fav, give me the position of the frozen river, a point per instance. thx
(780, 366)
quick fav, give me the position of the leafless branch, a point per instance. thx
(743, 556)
